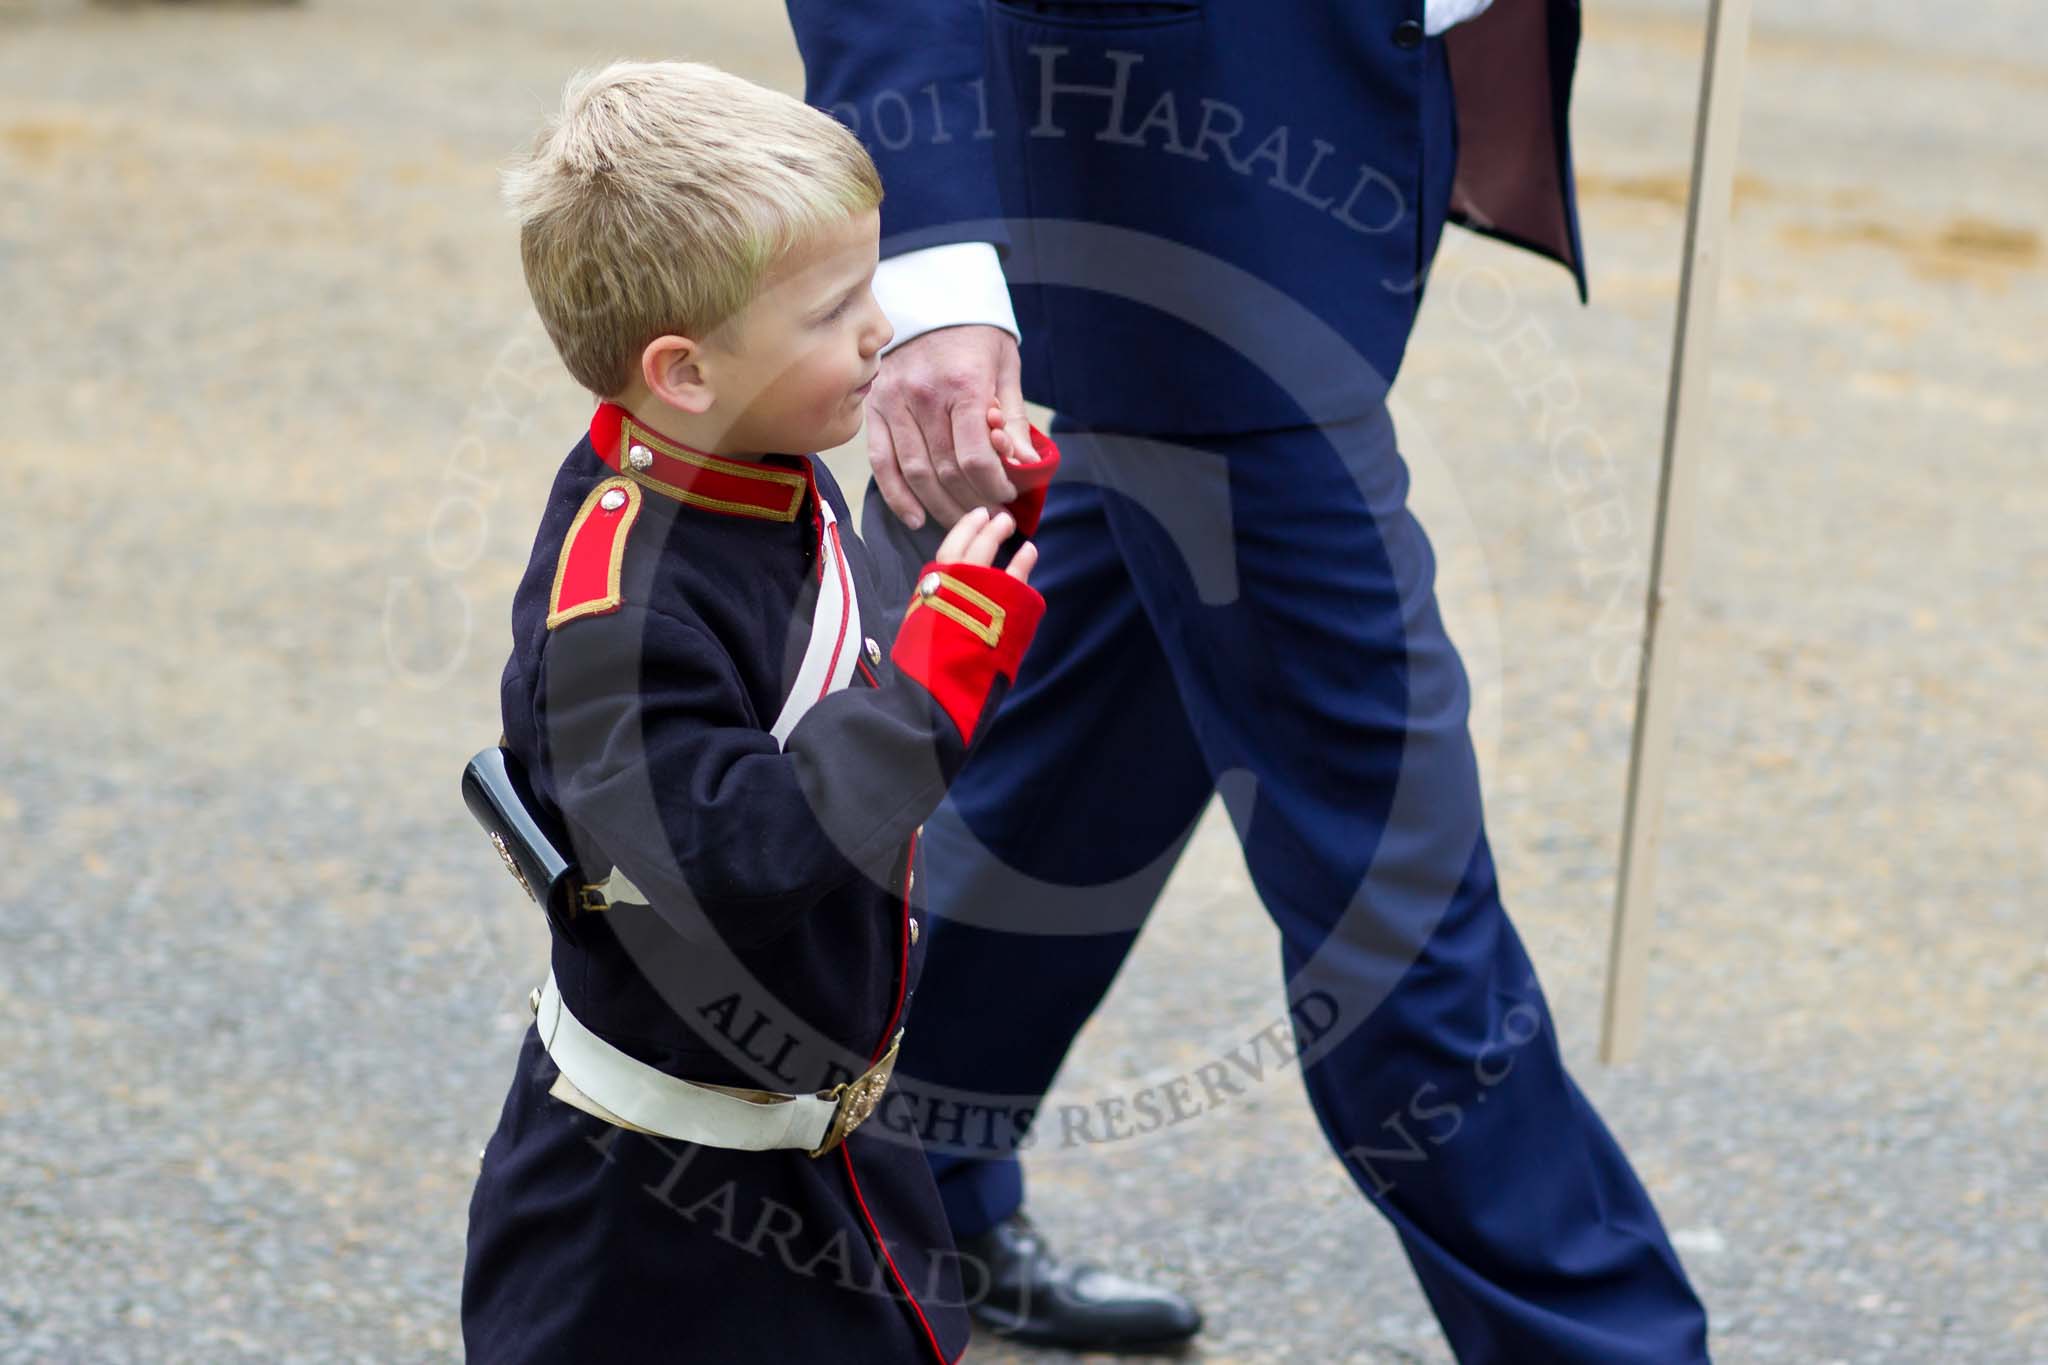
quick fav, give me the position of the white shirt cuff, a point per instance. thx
(944, 286)
(1438, 15)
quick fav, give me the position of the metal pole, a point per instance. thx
(1685, 424)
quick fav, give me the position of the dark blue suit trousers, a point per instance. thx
(1257, 610)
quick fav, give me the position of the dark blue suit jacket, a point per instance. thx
(1215, 215)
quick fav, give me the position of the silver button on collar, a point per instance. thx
(639, 456)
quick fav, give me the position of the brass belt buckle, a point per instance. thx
(854, 1100)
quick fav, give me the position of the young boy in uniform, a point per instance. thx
(738, 719)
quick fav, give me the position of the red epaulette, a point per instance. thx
(587, 574)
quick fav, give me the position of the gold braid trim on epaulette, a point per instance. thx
(587, 573)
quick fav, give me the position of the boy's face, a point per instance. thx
(808, 346)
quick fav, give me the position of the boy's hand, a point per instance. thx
(1004, 444)
(976, 537)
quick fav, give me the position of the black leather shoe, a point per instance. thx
(1034, 1297)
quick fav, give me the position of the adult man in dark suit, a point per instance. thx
(1214, 219)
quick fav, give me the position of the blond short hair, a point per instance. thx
(657, 198)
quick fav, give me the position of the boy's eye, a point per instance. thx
(836, 312)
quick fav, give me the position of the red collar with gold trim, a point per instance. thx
(716, 483)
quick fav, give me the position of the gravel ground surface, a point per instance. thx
(277, 424)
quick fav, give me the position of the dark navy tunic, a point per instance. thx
(662, 618)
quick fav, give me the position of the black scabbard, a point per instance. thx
(535, 852)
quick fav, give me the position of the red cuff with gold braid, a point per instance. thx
(1030, 481)
(968, 624)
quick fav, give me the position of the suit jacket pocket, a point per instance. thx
(1103, 13)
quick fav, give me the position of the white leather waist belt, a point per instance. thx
(620, 1089)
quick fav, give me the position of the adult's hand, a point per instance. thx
(946, 411)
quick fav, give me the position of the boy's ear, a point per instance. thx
(672, 369)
